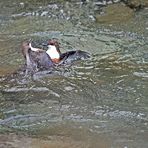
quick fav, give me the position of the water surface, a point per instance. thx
(99, 102)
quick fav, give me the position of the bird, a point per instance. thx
(64, 58)
(38, 59)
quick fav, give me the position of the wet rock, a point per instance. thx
(116, 13)
(136, 4)
(105, 2)
(15, 89)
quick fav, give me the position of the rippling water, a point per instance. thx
(98, 102)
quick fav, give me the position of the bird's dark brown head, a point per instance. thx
(25, 47)
(53, 42)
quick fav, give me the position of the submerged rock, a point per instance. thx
(136, 4)
(116, 13)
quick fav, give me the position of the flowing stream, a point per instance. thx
(100, 102)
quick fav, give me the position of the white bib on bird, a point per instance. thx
(52, 52)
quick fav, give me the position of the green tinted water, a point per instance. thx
(98, 102)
